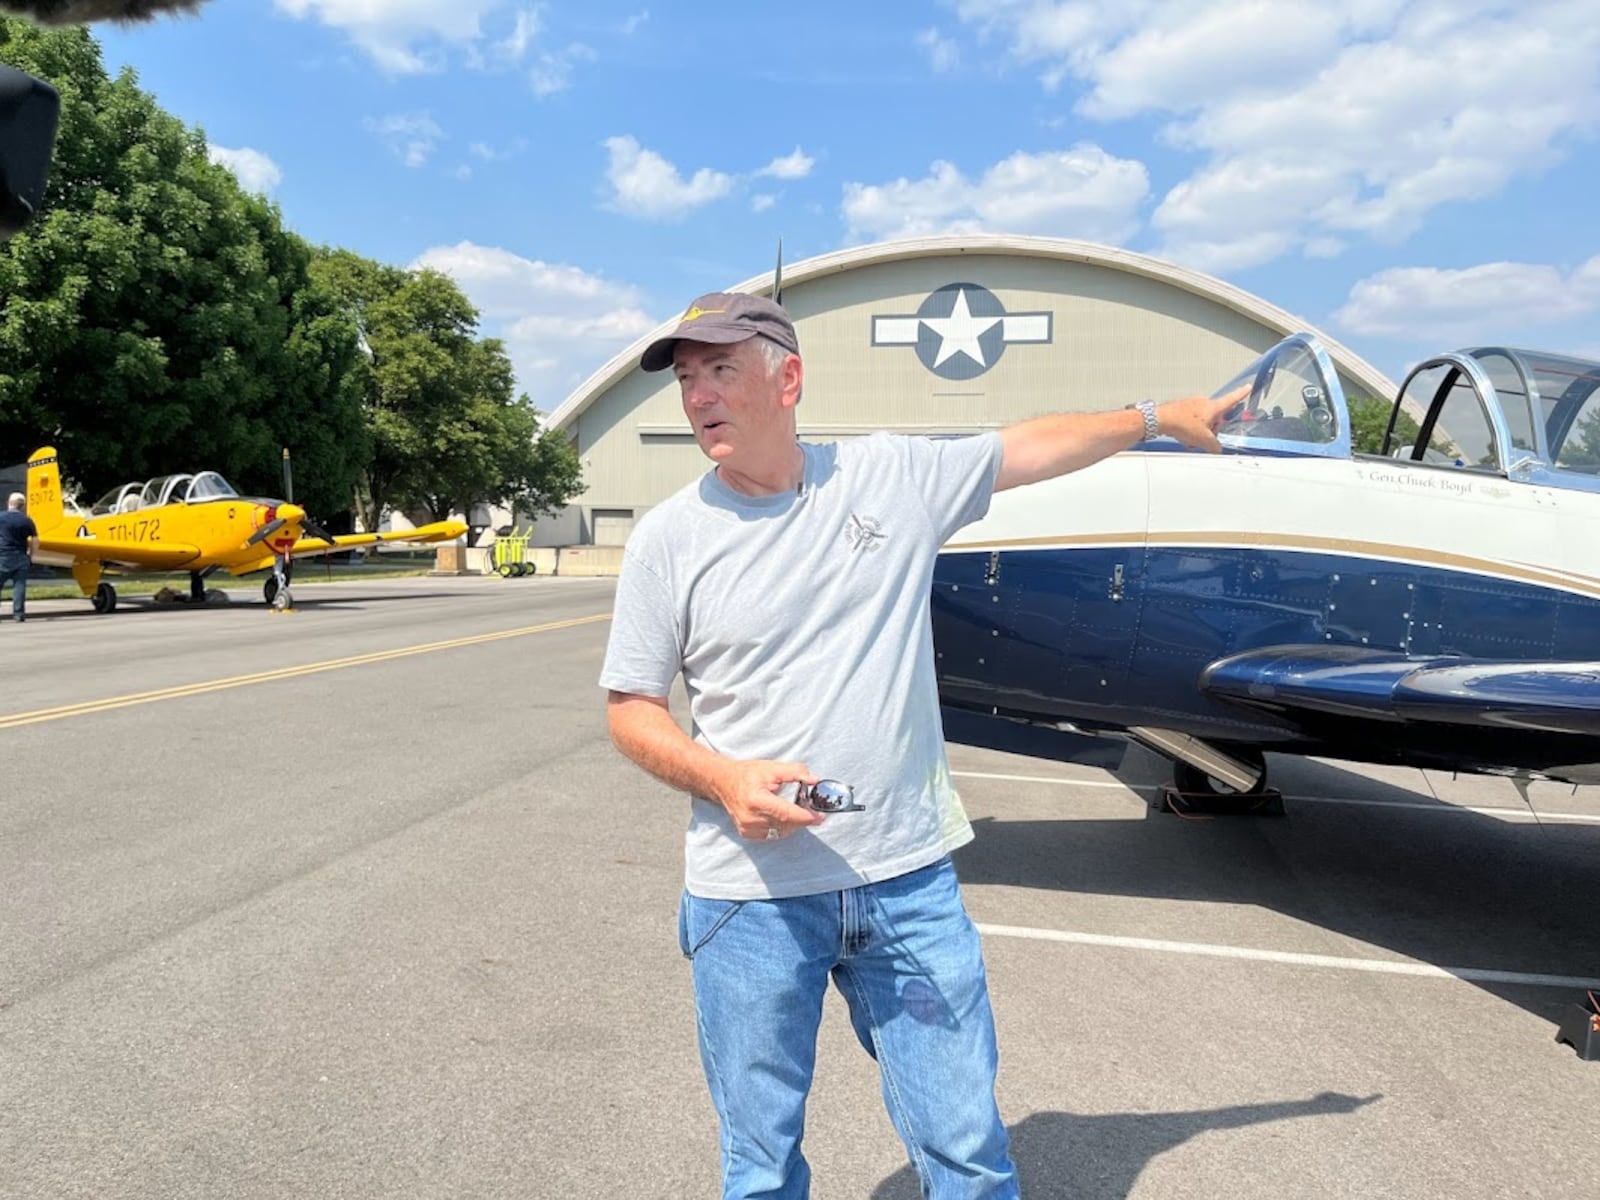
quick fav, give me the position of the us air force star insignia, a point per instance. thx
(961, 330)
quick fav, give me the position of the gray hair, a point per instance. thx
(773, 355)
(16, 500)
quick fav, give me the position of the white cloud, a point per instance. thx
(255, 171)
(552, 72)
(412, 137)
(559, 322)
(488, 153)
(631, 24)
(762, 201)
(411, 37)
(1081, 193)
(405, 37)
(1337, 120)
(644, 184)
(1473, 303)
(944, 54)
(790, 166)
(515, 44)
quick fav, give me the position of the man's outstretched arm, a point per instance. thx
(1045, 447)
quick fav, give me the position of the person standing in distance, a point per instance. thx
(19, 542)
(789, 586)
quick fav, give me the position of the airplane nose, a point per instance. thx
(288, 513)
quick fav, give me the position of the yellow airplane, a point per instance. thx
(194, 523)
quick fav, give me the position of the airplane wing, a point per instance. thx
(439, 531)
(160, 556)
(1383, 685)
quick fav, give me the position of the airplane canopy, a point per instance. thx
(1523, 413)
(164, 489)
(1295, 403)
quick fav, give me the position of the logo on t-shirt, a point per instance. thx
(863, 533)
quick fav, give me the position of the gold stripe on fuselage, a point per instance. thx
(1551, 577)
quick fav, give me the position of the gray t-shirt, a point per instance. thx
(800, 625)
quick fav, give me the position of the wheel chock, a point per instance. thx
(1580, 1029)
(1266, 803)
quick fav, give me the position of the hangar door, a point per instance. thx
(612, 526)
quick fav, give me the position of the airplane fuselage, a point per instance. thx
(1115, 597)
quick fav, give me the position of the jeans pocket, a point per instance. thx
(699, 919)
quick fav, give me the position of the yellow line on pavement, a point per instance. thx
(217, 685)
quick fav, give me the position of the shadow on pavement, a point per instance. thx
(1063, 1154)
(1436, 883)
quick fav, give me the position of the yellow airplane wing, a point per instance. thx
(160, 556)
(439, 531)
(305, 547)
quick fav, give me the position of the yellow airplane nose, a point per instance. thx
(290, 513)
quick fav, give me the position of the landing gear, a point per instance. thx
(197, 588)
(276, 588)
(277, 594)
(105, 598)
(1192, 790)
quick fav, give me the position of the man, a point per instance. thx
(790, 588)
(19, 542)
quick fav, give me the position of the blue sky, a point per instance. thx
(1409, 175)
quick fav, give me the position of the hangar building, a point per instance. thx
(938, 335)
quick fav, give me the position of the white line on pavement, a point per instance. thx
(1442, 808)
(1320, 961)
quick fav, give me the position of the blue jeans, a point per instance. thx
(14, 570)
(906, 958)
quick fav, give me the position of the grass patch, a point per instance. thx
(140, 583)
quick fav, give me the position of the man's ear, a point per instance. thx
(792, 376)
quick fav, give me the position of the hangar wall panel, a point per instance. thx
(1060, 334)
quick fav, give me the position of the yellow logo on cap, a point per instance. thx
(695, 313)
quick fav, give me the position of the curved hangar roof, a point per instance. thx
(972, 331)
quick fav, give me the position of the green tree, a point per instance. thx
(155, 317)
(1581, 448)
(444, 427)
(1369, 419)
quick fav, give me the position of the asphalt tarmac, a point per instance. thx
(359, 901)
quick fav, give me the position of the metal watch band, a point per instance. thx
(1152, 426)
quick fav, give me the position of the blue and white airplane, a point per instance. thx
(1436, 605)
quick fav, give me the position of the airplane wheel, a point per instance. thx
(1192, 781)
(282, 600)
(105, 598)
(269, 589)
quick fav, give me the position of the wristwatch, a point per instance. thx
(1152, 424)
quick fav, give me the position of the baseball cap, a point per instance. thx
(722, 318)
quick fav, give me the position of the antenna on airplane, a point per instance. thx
(777, 276)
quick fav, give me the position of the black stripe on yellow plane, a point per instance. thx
(194, 523)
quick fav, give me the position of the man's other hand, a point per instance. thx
(750, 794)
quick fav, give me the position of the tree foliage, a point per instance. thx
(1369, 420)
(444, 428)
(155, 317)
